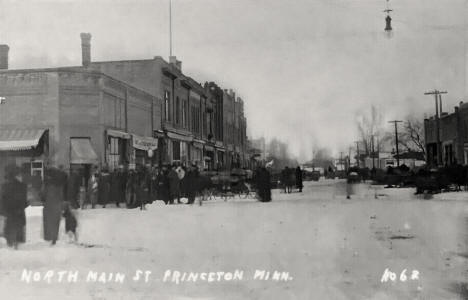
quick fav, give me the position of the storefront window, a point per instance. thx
(183, 152)
(177, 110)
(167, 111)
(37, 168)
(175, 150)
(184, 114)
(113, 158)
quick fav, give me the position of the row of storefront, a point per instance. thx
(132, 114)
(29, 148)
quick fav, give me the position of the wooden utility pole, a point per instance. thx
(349, 158)
(373, 153)
(396, 141)
(357, 153)
(341, 160)
(437, 94)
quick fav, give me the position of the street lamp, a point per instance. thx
(388, 22)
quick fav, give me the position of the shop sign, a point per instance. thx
(144, 143)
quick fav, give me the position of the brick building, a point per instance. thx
(74, 117)
(131, 112)
(452, 146)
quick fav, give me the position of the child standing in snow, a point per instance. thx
(70, 223)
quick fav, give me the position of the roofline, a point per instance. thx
(77, 69)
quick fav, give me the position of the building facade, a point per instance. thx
(113, 113)
(450, 145)
(75, 118)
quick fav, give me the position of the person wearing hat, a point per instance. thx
(55, 192)
(174, 185)
(14, 200)
(191, 181)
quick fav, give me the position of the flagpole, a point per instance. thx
(170, 27)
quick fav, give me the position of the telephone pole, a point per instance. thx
(357, 153)
(341, 160)
(437, 95)
(396, 141)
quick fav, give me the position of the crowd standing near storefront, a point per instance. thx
(107, 136)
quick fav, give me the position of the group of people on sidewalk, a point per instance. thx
(291, 177)
(60, 193)
(134, 188)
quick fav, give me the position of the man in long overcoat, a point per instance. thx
(299, 184)
(55, 191)
(174, 186)
(192, 183)
(14, 201)
(162, 182)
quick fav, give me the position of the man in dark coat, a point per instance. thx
(55, 191)
(264, 185)
(162, 182)
(284, 179)
(142, 188)
(104, 187)
(115, 187)
(299, 184)
(174, 185)
(191, 183)
(14, 201)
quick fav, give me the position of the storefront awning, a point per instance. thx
(20, 139)
(209, 148)
(179, 137)
(118, 134)
(82, 152)
(144, 143)
(197, 145)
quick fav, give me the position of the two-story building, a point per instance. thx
(111, 113)
(451, 144)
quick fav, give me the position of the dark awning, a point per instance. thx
(118, 134)
(20, 139)
(180, 137)
(82, 152)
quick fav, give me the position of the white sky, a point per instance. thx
(303, 67)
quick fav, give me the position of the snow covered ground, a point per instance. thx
(331, 248)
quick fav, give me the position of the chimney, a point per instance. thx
(176, 63)
(4, 57)
(85, 49)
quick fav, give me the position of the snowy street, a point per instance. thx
(330, 247)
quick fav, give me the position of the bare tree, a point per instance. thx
(412, 137)
(370, 125)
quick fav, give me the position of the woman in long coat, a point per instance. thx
(174, 186)
(299, 184)
(14, 201)
(55, 192)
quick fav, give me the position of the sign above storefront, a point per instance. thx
(144, 143)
